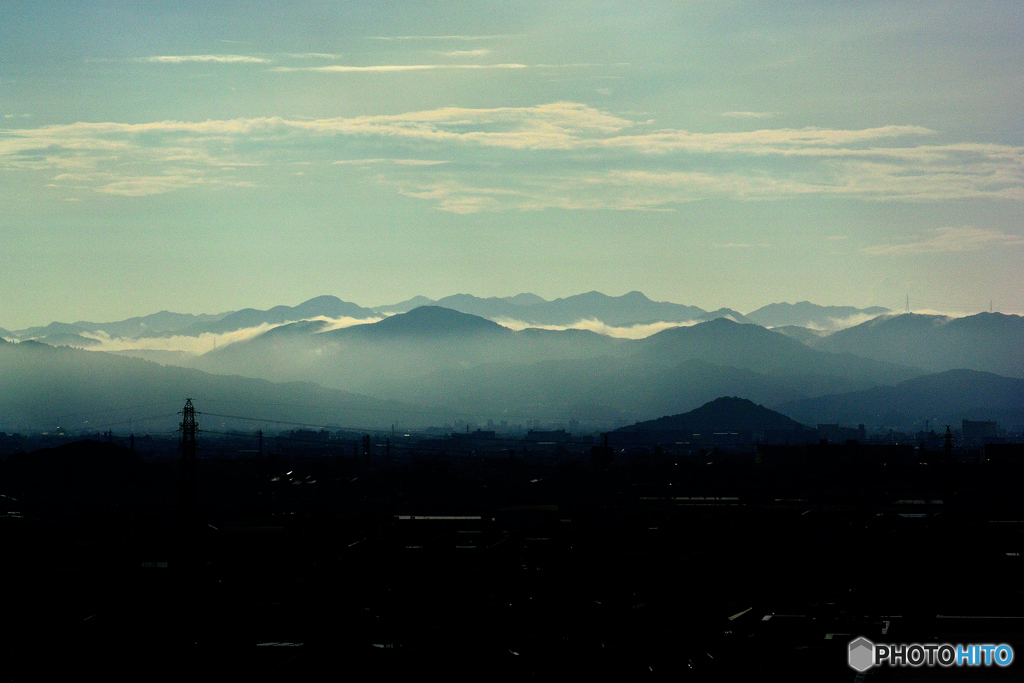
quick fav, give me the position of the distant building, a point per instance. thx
(979, 429)
(476, 435)
(548, 435)
(833, 433)
(322, 436)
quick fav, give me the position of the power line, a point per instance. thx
(319, 425)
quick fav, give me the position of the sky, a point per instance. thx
(204, 157)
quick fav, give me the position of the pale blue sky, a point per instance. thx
(199, 157)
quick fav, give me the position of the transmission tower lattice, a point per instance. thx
(189, 485)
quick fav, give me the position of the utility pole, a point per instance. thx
(189, 486)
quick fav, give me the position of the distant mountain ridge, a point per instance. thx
(632, 308)
(321, 306)
(989, 342)
(155, 325)
(943, 398)
(806, 314)
(47, 387)
(452, 362)
(438, 356)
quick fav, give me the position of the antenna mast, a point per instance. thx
(189, 487)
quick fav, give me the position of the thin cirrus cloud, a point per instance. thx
(466, 53)
(447, 37)
(948, 240)
(384, 68)
(748, 114)
(562, 155)
(218, 59)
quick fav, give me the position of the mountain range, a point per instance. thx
(523, 309)
(445, 359)
(46, 387)
(808, 315)
(435, 361)
(943, 398)
(991, 342)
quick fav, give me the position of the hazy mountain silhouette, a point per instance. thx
(441, 357)
(426, 322)
(806, 314)
(524, 299)
(753, 347)
(182, 358)
(63, 339)
(629, 309)
(491, 307)
(156, 325)
(404, 306)
(991, 342)
(377, 357)
(605, 388)
(727, 313)
(47, 387)
(804, 335)
(326, 306)
(722, 414)
(943, 398)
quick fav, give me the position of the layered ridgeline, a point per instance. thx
(804, 314)
(456, 362)
(440, 357)
(520, 310)
(629, 309)
(943, 398)
(166, 324)
(45, 388)
(990, 342)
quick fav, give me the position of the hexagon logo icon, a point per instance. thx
(862, 654)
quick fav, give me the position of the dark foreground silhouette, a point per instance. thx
(353, 560)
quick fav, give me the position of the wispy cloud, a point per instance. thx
(311, 55)
(466, 53)
(223, 59)
(208, 341)
(741, 245)
(399, 162)
(843, 323)
(595, 325)
(449, 37)
(562, 155)
(385, 68)
(748, 114)
(948, 240)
